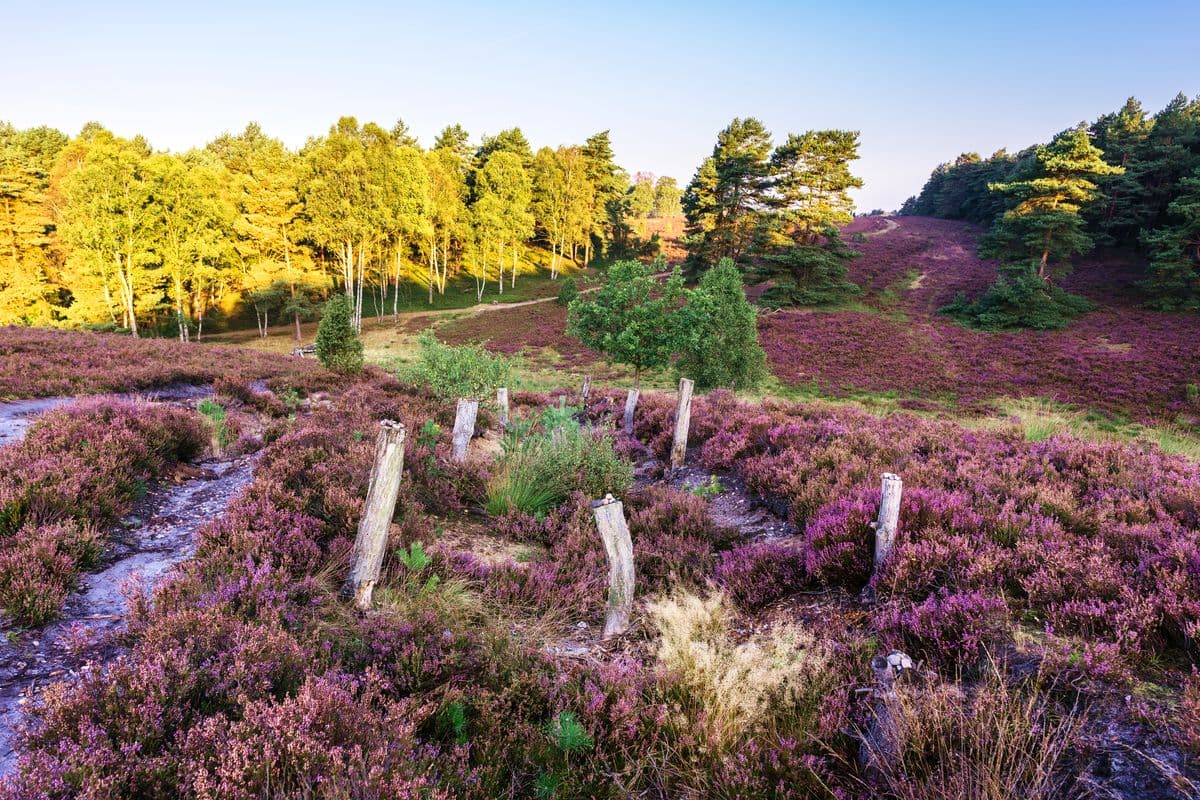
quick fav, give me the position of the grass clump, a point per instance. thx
(1001, 740)
(546, 461)
(217, 418)
(772, 683)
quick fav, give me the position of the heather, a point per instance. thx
(1121, 359)
(1034, 583)
(44, 363)
(78, 469)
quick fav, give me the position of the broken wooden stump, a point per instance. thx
(502, 406)
(886, 524)
(614, 531)
(683, 418)
(464, 428)
(883, 741)
(585, 390)
(369, 545)
(631, 401)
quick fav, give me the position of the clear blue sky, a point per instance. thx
(921, 81)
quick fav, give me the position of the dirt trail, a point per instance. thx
(140, 548)
(146, 544)
(388, 321)
(734, 506)
(889, 225)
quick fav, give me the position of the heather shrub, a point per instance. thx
(40, 564)
(838, 542)
(948, 631)
(771, 683)
(673, 538)
(338, 737)
(757, 574)
(1189, 714)
(999, 741)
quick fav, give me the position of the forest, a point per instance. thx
(104, 232)
(1129, 180)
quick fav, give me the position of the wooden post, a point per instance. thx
(889, 517)
(630, 404)
(585, 390)
(464, 428)
(610, 520)
(502, 403)
(883, 741)
(683, 418)
(371, 541)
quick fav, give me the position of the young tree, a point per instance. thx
(109, 223)
(504, 192)
(809, 275)
(27, 294)
(631, 318)
(720, 347)
(667, 196)
(338, 348)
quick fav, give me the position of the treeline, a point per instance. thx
(100, 230)
(1140, 190)
(774, 210)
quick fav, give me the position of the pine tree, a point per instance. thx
(809, 275)
(723, 199)
(338, 348)
(812, 180)
(720, 347)
(1045, 225)
(1174, 281)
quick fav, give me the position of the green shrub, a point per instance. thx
(721, 346)
(451, 371)
(540, 469)
(1019, 299)
(568, 292)
(338, 348)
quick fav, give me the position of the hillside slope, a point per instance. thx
(1119, 359)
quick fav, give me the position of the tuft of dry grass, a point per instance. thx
(997, 741)
(731, 689)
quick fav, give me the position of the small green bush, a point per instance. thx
(451, 371)
(338, 348)
(1020, 298)
(568, 292)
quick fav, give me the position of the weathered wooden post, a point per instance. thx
(585, 390)
(683, 418)
(502, 404)
(888, 520)
(371, 541)
(630, 405)
(610, 520)
(883, 742)
(464, 428)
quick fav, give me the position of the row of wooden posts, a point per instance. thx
(366, 559)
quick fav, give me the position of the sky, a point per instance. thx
(922, 82)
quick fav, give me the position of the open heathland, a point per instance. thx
(1048, 593)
